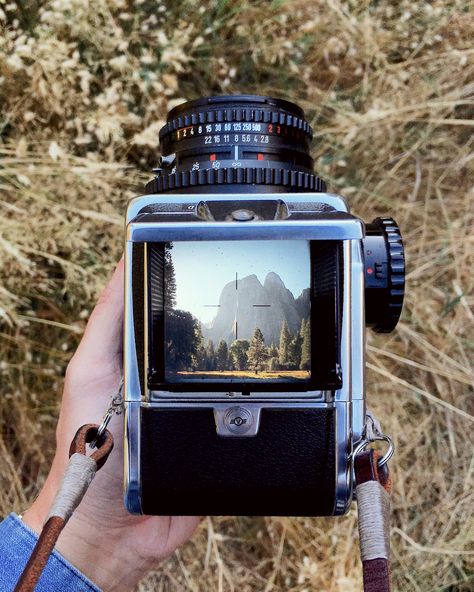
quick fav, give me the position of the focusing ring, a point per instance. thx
(228, 176)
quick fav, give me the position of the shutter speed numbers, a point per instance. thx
(235, 133)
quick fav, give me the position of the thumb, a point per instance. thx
(102, 342)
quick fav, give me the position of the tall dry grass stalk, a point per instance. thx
(84, 88)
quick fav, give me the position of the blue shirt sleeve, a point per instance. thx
(16, 544)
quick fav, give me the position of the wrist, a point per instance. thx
(35, 515)
(97, 553)
(102, 554)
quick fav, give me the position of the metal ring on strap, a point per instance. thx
(386, 457)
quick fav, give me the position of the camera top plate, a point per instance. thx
(291, 216)
(185, 203)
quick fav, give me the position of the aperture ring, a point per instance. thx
(230, 176)
(236, 115)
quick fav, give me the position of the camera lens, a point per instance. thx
(236, 143)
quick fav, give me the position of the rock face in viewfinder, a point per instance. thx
(242, 305)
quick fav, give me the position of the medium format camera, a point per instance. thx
(248, 289)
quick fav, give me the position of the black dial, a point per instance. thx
(384, 274)
(235, 143)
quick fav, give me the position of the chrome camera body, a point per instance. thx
(244, 347)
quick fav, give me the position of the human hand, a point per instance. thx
(111, 547)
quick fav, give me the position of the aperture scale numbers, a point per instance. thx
(236, 139)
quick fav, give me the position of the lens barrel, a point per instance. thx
(236, 143)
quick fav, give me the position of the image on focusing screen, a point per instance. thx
(237, 311)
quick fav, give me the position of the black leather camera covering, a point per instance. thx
(287, 469)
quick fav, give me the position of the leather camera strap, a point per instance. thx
(372, 491)
(77, 478)
(373, 502)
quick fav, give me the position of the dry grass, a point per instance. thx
(84, 87)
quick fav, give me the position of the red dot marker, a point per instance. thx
(212, 158)
(259, 156)
(370, 271)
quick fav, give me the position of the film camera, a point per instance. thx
(248, 289)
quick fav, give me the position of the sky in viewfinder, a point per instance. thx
(202, 269)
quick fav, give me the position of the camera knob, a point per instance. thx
(384, 258)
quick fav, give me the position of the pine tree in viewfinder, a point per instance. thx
(222, 356)
(170, 279)
(285, 339)
(199, 357)
(305, 363)
(294, 352)
(238, 352)
(273, 351)
(211, 362)
(257, 354)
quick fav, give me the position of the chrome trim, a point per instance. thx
(131, 378)
(358, 419)
(132, 483)
(343, 469)
(357, 304)
(224, 405)
(138, 203)
(344, 227)
(357, 348)
(131, 391)
(344, 394)
(235, 397)
(145, 395)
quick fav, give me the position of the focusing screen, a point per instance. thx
(237, 311)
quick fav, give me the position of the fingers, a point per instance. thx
(103, 339)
